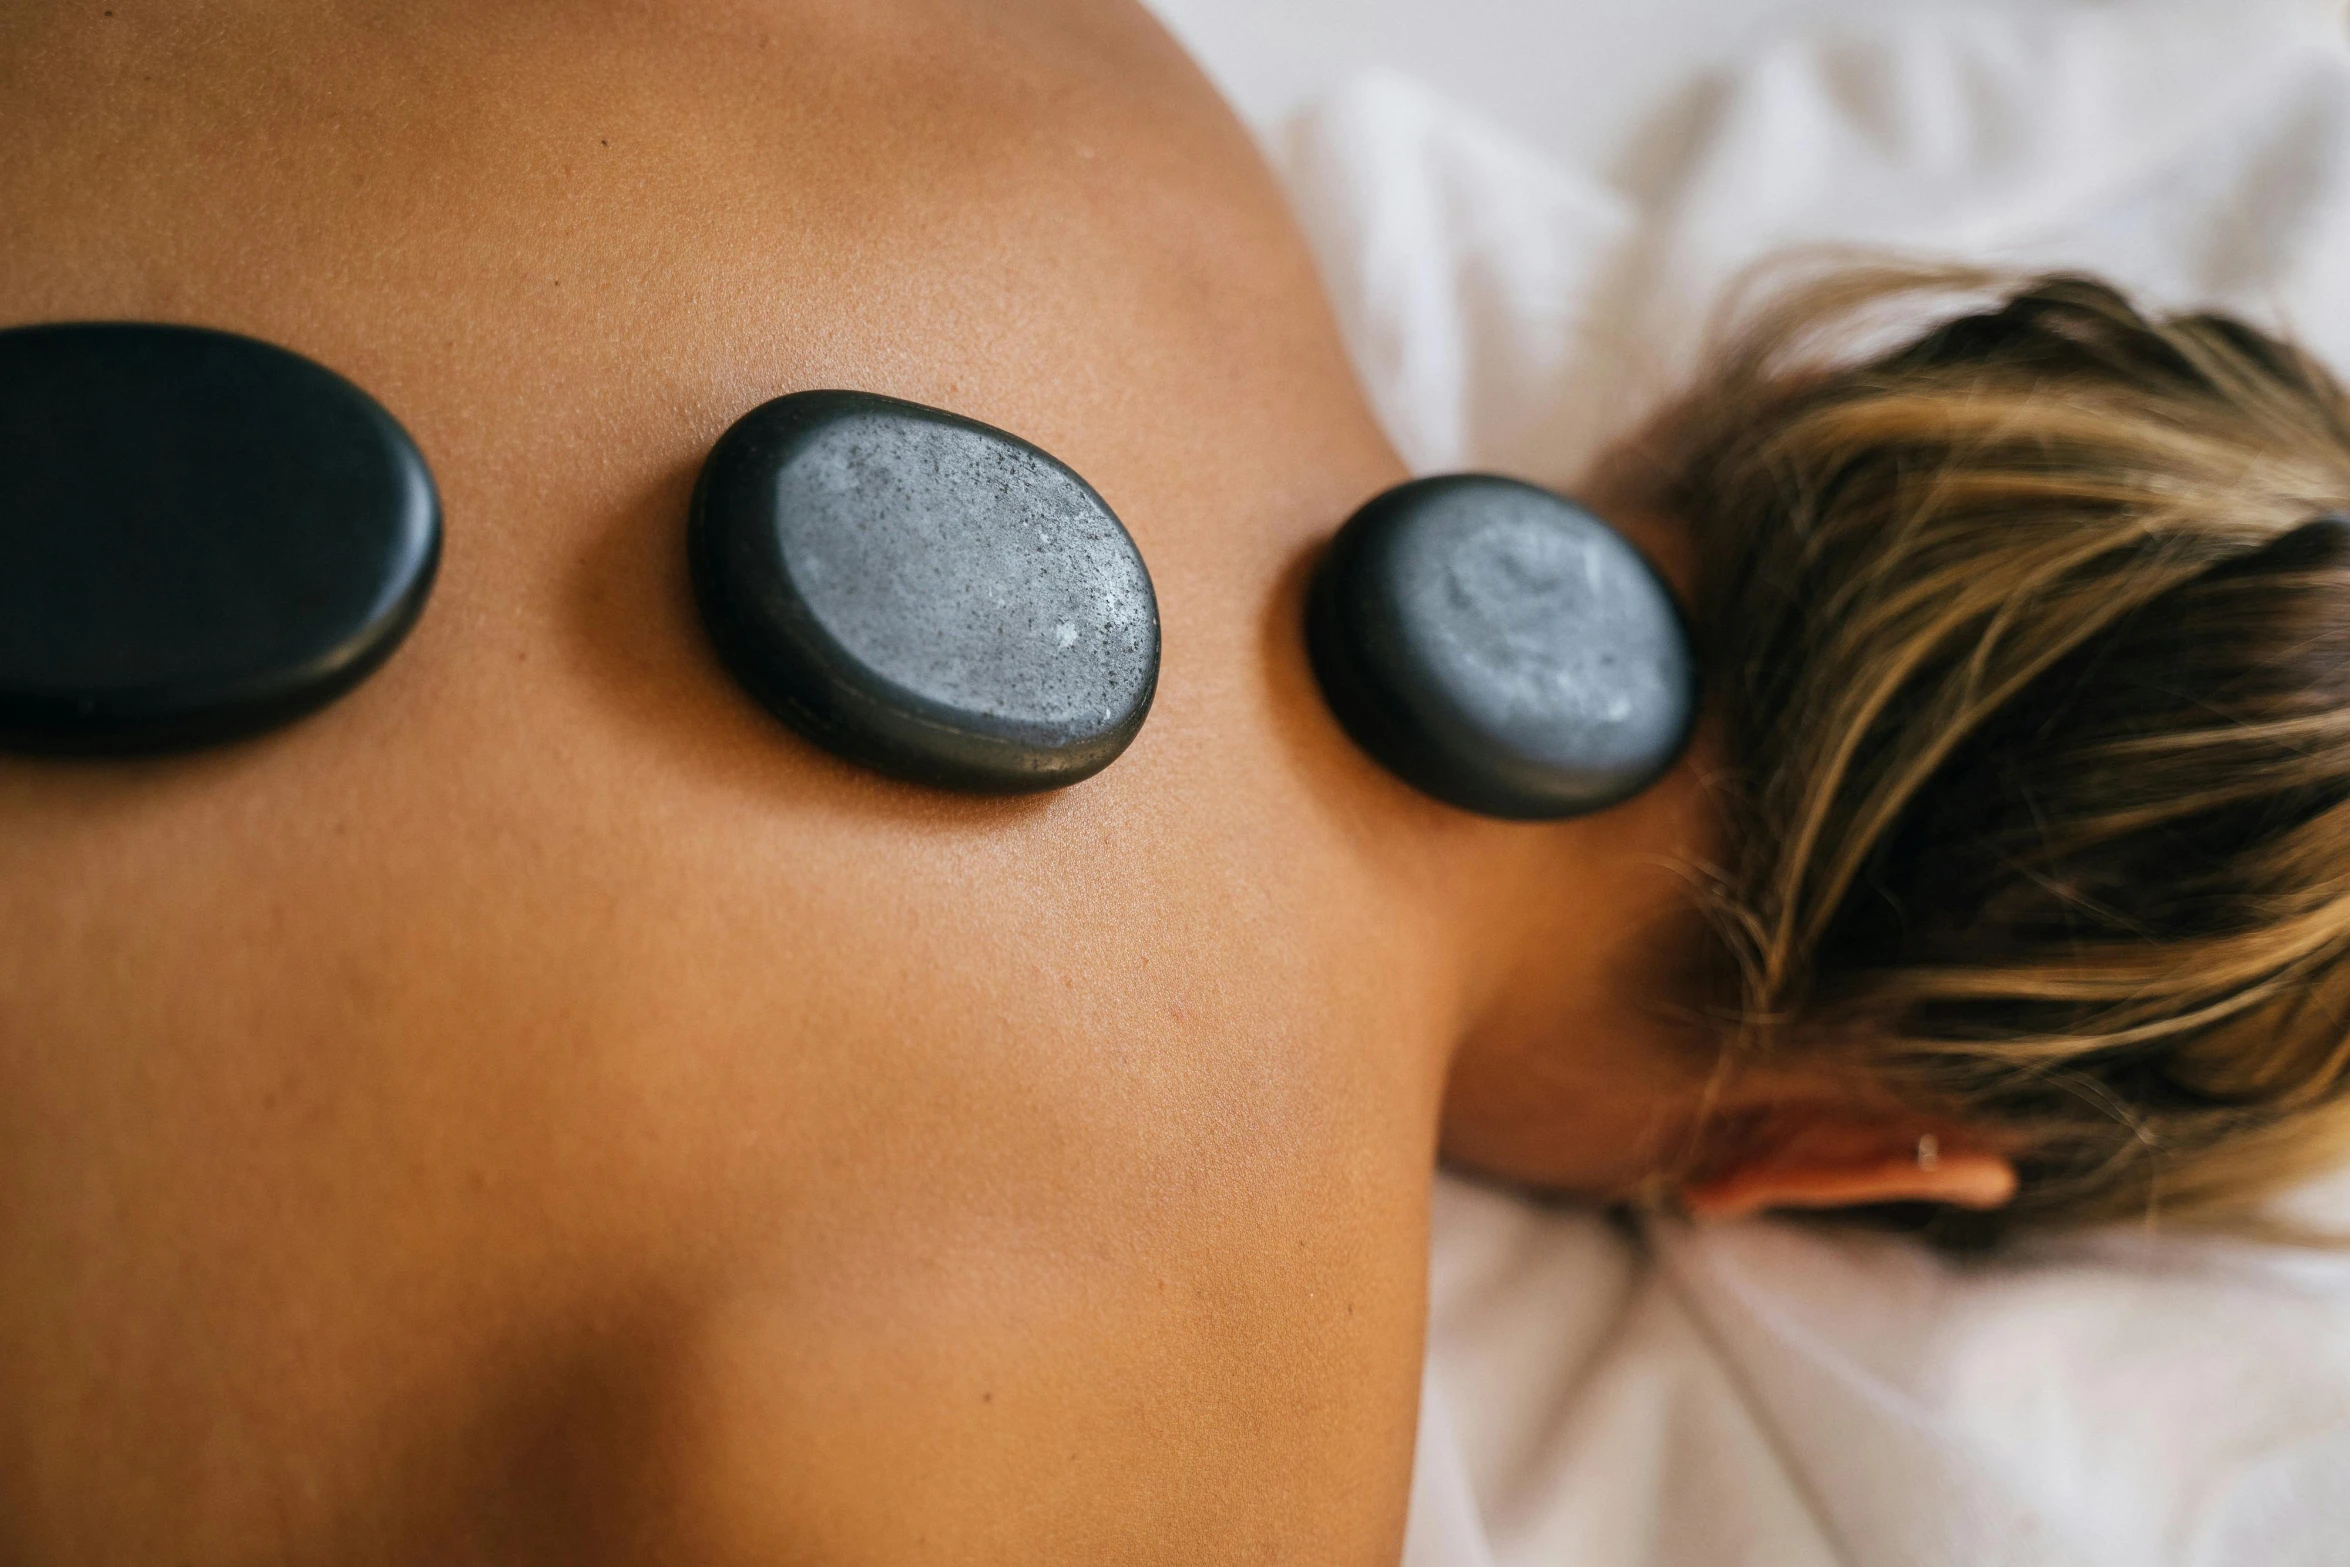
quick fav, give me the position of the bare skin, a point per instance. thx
(540, 1109)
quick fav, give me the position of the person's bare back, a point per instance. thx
(540, 1108)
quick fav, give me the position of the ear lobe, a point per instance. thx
(1848, 1165)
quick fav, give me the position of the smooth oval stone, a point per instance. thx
(922, 594)
(201, 536)
(1501, 648)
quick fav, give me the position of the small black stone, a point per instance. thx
(922, 594)
(201, 536)
(1500, 648)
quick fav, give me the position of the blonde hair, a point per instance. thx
(2030, 644)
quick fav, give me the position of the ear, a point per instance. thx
(1834, 1157)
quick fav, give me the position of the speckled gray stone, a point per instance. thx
(922, 594)
(1501, 648)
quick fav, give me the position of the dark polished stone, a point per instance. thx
(922, 594)
(201, 536)
(1501, 648)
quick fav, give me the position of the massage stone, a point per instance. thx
(1501, 649)
(201, 536)
(922, 594)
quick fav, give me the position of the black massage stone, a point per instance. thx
(922, 594)
(1501, 649)
(201, 536)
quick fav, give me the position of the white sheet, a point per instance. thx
(1608, 86)
(1758, 1393)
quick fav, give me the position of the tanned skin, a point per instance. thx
(540, 1109)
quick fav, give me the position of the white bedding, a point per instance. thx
(1757, 1393)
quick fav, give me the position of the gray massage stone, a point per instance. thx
(1501, 648)
(922, 594)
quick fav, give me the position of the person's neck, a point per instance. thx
(1582, 1062)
